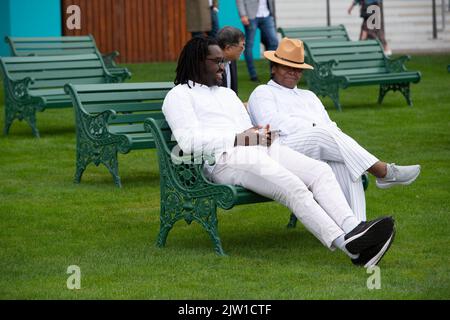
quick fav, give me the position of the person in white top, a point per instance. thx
(208, 119)
(257, 14)
(306, 127)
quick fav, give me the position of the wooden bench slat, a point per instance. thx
(37, 59)
(134, 117)
(60, 74)
(346, 44)
(41, 84)
(346, 50)
(122, 96)
(364, 71)
(307, 35)
(350, 58)
(357, 64)
(55, 52)
(410, 76)
(123, 106)
(128, 87)
(316, 33)
(47, 92)
(54, 66)
(131, 128)
(55, 45)
(136, 128)
(51, 39)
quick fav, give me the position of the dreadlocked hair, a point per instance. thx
(191, 58)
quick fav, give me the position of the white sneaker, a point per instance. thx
(398, 175)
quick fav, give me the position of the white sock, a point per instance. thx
(350, 223)
(389, 173)
(339, 243)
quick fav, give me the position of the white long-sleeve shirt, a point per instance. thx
(205, 120)
(288, 110)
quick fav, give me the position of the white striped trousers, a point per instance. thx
(346, 157)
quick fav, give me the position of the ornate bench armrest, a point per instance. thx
(19, 89)
(95, 128)
(108, 59)
(117, 75)
(324, 69)
(185, 173)
(397, 64)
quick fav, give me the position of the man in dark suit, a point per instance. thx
(232, 42)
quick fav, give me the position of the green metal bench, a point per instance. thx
(110, 119)
(187, 194)
(66, 45)
(36, 83)
(316, 34)
(342, 64)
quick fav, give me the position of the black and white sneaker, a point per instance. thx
(369, 234)
(371, 256)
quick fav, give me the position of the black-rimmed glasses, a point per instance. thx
(218, 61)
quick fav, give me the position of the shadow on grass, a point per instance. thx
(194, 238)
(364, 105)
(23, 132)
(138, 179)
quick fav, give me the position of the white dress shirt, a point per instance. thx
(228, 73)
(288, 110)
(205, 120)
(263, 10)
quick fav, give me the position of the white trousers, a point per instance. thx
(306, 186)
(346, 157)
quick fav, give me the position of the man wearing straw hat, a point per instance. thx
(306, 127)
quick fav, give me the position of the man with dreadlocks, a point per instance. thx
(208, 119)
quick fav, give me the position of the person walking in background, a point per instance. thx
(201, 17)
(367, 33)
(257, 14)
(232, 42)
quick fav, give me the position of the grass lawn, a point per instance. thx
(48, 223)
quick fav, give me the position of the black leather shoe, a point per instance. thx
(369, 234)
(371, 256)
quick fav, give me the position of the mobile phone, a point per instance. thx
(262, 130)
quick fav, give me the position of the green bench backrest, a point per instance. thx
(132, 102)
(316, 34)
(353, 57)
(55, 71)
(51, 46)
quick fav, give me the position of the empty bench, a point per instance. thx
(187, 194)
(110, 120)
(37, 83)
(342, 64)
(66, 45)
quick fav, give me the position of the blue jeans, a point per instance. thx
(268, 38)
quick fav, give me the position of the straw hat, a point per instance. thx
(290, 52)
